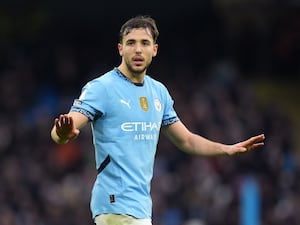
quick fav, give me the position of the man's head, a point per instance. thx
(145, 22)
(137, 46)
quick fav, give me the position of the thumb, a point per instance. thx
(74, 134)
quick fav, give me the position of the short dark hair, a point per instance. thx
(139, 22)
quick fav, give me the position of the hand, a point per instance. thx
(65, 128)
(247, 145)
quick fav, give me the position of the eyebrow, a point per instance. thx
(135, 40)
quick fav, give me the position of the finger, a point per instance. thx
(253, 146)
(258, 145)
(66, 120)
(71, 122)
(63, 119)
(253, 140)
(57, 122)
(244, 149)
(260, 137)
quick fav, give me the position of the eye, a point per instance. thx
(146, 43)
(130, 43)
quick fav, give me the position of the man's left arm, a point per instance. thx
(192, 143)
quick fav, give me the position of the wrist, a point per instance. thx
(62, 141)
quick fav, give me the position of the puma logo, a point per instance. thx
(125, 103)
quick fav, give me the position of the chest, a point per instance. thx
(135, 104)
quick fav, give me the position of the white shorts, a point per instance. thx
(118, 219)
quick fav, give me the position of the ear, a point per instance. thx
(120, 48)
(155, 49)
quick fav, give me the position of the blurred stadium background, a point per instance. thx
(233, 69)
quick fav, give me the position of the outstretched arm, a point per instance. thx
(66, 127)
(196, 144)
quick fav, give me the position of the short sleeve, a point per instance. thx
(170, 115)
(91, 101)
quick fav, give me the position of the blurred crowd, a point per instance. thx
(42, 183)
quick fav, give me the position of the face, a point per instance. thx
(137, 50)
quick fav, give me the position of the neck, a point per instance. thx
(133, 77)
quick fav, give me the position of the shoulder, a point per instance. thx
(102, 80)
(160, 88)
(154, 82)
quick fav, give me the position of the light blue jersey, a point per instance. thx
(126, 120)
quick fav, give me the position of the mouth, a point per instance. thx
(138, 60)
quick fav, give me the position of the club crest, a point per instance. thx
(157, 105)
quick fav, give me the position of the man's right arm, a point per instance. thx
(66, 127)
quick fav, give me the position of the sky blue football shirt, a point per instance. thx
(126, 120)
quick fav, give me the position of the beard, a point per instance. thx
(136, 70)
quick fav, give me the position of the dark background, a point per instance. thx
(260, 36)
(231, 66)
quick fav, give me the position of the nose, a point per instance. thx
(138, 48)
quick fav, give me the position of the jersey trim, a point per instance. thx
(105, 162)
(170, 121)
